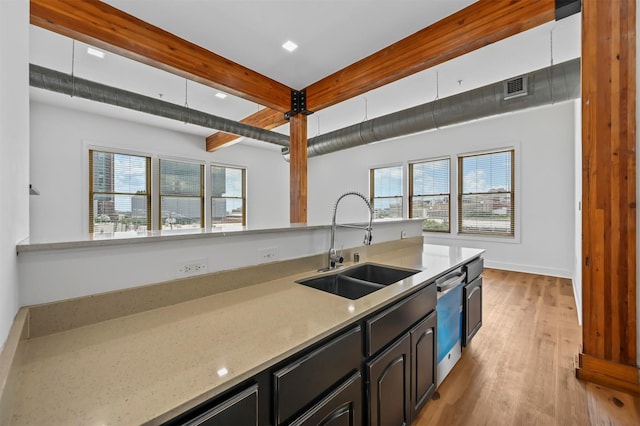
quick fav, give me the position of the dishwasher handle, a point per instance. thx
(451, 282)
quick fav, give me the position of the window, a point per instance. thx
(386, 192)
(119, 192)
(429, 194)
(228, 198)
(181, 195)
(486, 196)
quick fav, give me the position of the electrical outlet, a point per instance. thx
(403, 234)
(268, 254)
(192, 267)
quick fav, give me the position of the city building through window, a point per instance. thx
(430, 193)
(181, 194)
(486, 194)
(228, 196)
(386, 192)
(119, 192)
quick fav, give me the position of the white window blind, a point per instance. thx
(486, 196)
(228, 196)
(430, 193)
(119, 192)
(181, 194)
(386, 192)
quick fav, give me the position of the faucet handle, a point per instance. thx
(335, 257)
(367, 237)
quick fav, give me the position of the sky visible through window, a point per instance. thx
(487, 173)
(130, 176)
(431, 177)
(388, 182)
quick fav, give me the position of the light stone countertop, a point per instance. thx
(148, 367)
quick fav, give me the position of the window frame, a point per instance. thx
(160, 195)
(92, 193)
(411, 194)
(243, 198)
(513, 235)
(372, 196)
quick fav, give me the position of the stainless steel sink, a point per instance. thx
(358, 281)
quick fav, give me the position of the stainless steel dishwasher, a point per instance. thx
(449, 308)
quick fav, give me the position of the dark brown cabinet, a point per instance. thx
(238, 410)
(388, 382)
(472, 300)
(423, 362)
(402, 377)
(306, 379)
(342, 407)
(472, 310)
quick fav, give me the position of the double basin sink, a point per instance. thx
(358, 281)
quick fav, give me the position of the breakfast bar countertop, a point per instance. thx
(148, 367)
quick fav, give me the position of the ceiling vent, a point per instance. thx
(515, 87)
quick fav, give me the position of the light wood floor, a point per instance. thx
(519, 370)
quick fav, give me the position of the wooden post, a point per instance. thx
(298, 169)
(609, 194)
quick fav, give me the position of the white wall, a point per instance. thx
(544, 139)
(51, 275)
(14, 151)
(577, 277)
(59, 141)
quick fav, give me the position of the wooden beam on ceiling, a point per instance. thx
(480, 24)
(106, 27)
(266, 118)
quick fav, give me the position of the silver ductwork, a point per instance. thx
(55, 81)
(546, 86)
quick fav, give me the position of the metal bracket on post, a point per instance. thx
(298, 104)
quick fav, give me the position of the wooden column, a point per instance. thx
(298, 169)
(609, 194)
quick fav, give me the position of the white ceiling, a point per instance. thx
(331, 34)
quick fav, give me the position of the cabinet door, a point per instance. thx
(472, 320)
(423, 362)
(303, 381)
(240, 410)
(388, 381)
(342, 407)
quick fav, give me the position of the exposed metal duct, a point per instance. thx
(55, 81)
(557, 83)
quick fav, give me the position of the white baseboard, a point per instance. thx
(578, 300)
(530, 269)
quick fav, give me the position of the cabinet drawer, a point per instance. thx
(240, 410)
(390, 323)
(343, 406)
(474, 269)
(305, 380)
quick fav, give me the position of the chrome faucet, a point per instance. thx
(334, 258)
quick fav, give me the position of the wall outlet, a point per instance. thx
(268, 254)
(192, 267)
(403, 234)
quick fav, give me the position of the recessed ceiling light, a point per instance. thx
(95, 52)
(220, 95)
(290, 46)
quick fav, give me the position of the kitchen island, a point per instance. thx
(148, 367)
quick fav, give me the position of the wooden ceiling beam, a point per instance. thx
(480, 24)
(106, 27)
(266, 118)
